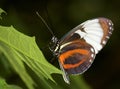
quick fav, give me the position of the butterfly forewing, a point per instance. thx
(95, 32)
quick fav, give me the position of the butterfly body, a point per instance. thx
(76, 51)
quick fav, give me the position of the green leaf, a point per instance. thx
(4, 85)
(17, 64)
(19, 48)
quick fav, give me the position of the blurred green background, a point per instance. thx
(62, 16)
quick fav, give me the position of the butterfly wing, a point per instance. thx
(76, 57)
(79, 47)
(65, 74)
(95, 32)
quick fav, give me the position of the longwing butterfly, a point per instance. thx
(76, 51)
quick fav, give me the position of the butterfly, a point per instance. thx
(76, 50)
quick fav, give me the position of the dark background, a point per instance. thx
(62, 16)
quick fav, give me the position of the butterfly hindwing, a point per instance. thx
(76, 57)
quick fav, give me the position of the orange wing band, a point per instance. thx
(67, 54)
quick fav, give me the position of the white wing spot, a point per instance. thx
(110, 23)
(92, 50)
(92, 55)
(104, 42)
(110, 28)
(90, 60)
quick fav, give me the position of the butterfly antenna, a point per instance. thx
(45, 23)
